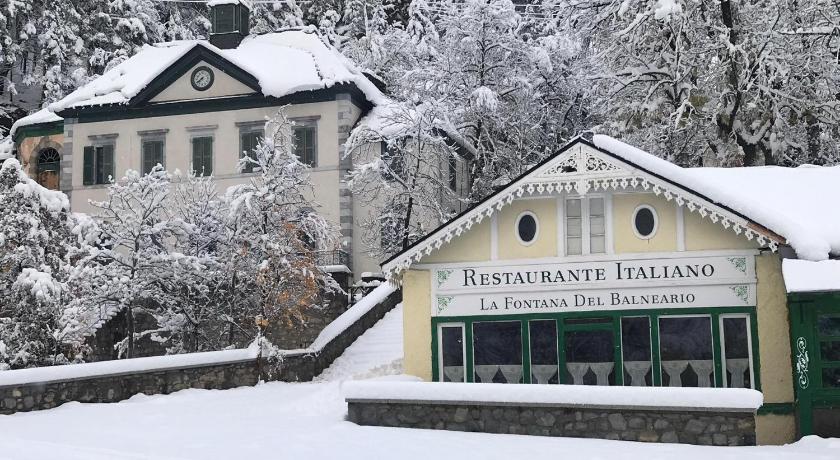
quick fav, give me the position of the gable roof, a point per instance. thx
(774, 205)
(274, 64)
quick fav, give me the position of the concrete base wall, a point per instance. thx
(687, 427)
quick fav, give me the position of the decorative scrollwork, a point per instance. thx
(443, 275)
(742, 291)
(740, 263)
(802, 362)
(442, 303)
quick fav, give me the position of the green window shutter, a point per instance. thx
(147, 158)
(202, 156)
(88, 168)
(196, 156)
(107, 163)
(208, 156)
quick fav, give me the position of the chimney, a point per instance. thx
(229, 22)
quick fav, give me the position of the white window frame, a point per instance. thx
(585, 225)
(462, 326)
(516, 228)
(722, 339)
(655, 222)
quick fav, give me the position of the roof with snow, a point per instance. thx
(279, 63)
(37, 118)
(808, 276)
(773, 205)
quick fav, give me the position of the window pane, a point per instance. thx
(573, 208)
(685, 346)
(831, 377)
(152, 155)
(596, 225)
(589, 358)
(736, 349)
(830, 351)
(527, 228)
(452, 353)
(497, 348)
(543, 337)
(574, 246)
(597, 244)
(635, 347)
(573, 227)
(596, 206)
(305, 144)
(829, 325)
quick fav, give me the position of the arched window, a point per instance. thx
(49, 168)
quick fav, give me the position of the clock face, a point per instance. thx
(202, 78)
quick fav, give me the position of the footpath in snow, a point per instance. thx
(378, 352)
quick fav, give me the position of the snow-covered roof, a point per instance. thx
(774, 205)
(283, 63)
(795, 203)
(36, 118)
(808, 276)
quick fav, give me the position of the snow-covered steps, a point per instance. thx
(379, 351)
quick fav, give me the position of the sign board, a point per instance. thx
(627, 284)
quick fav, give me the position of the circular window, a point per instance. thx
(527, 228)
(645, 222)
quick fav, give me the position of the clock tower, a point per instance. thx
(229, 22)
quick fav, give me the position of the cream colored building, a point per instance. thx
(604, 265)
(200, 106)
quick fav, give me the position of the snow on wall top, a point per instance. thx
(41, 116)
(283, 62)
(734, 399)
(795, 203)
(808, 276)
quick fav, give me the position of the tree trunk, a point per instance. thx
(129, 320)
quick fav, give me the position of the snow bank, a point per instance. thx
(352, 315)
(792, 202)
(284, 62)
(808, 276)
(722, 399)
(124, 366)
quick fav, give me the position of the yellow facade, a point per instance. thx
(676, 230)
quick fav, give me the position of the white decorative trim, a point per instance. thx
(680, 229)
(655, 221)
(558, 175)
(494, 237)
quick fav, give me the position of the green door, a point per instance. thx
(815, 324)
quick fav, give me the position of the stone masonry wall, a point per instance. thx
(300, 366)
(662, 425)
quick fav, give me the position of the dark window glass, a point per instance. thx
(305, 144)
(543, 337)
(249, 142)
(828, 325)
(831, 377)
(152, 155)
(635, 346)
(736, 349)
(453, 173)
(644, 222)
(830, 351)
(497, 349)
(589, 358)
(394, 168)
(527, 228)
(685, 346)
(452, 353)
(49, 168)
(98, 164)
(202, 156)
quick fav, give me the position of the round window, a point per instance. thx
(645, 222)
(527, 228)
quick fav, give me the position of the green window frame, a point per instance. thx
(608, 321)
(98, 165)
(202, 155)
(153, 152)
(305, 137)
(249, 140)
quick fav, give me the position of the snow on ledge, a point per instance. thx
(638, 398)
(352, 315)
(124, 366)
(808, 276)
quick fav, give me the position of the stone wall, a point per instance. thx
(302, 365)
(661, 425)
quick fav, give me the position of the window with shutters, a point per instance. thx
(152, 154)
(202, 156)
(306, 143)
(98, 164)
(249, 140)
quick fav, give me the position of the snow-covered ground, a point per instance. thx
(306, 421)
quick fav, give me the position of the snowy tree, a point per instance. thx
(135, 268)
(35, 244)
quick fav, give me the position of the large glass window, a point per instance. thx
(452, 353)
(202, 156)
(736, 351)
(685, 347)
(152, 150)
(497, 351)
(635, 346)
(828, 331)
(590, 357)
(543, 340)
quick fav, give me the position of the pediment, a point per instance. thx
(182, 88)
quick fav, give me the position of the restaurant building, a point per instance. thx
(605, 265)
